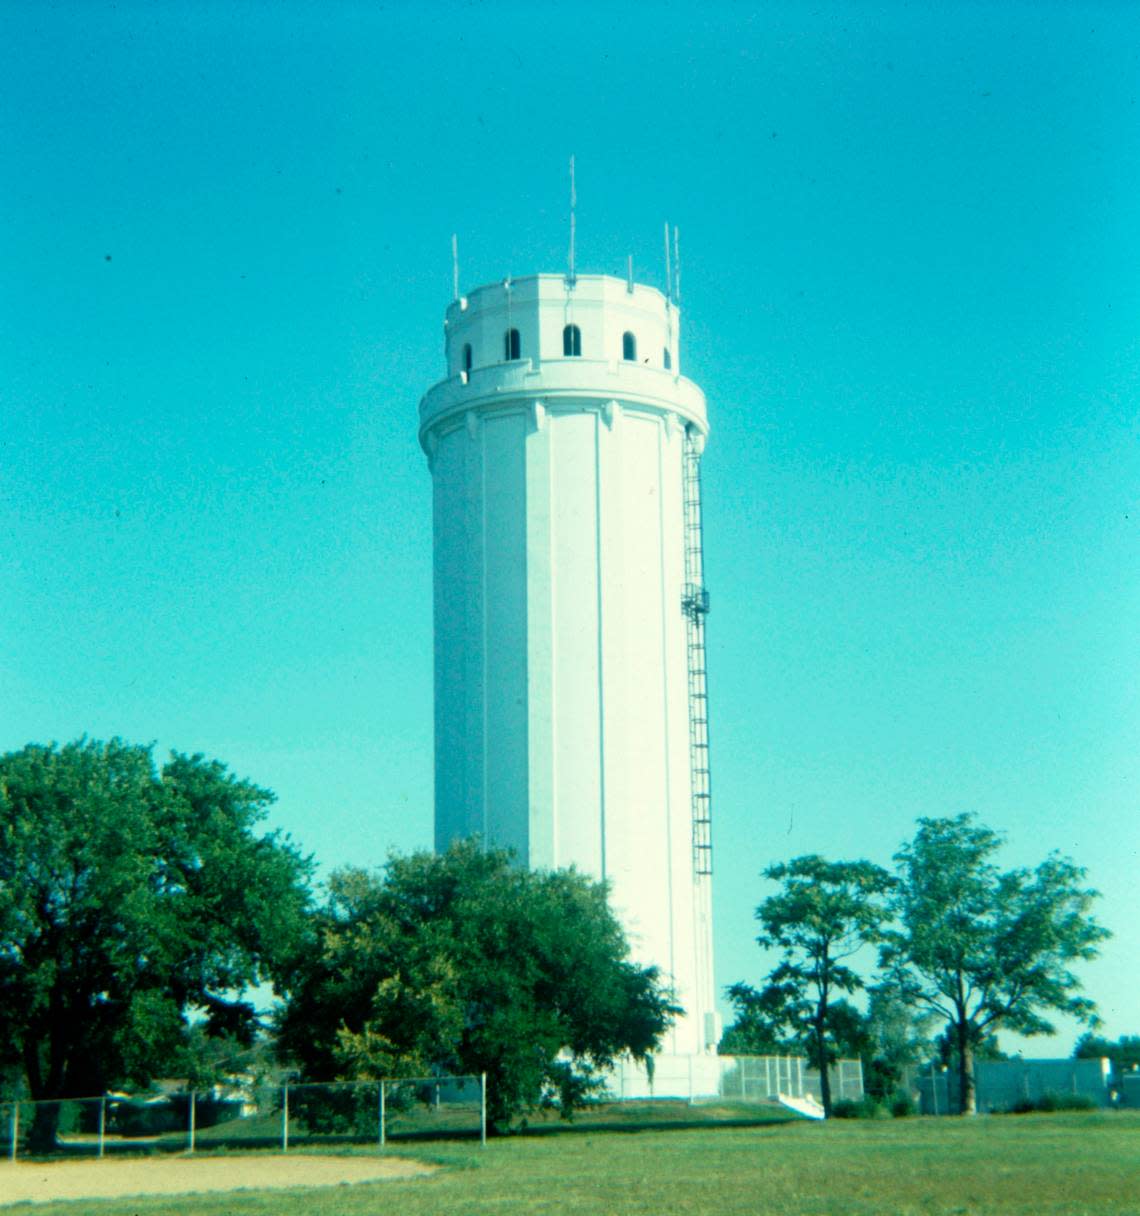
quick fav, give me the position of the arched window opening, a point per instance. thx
(571, 341)
(668, 359)
(512, 345)
(467, 356)
(629, 346)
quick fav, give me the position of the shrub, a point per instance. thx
(865, 1108)
(902, 1105)
(1059, 1101)
(1052, 1101)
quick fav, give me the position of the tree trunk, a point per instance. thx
(821, 1064)
(967, 1098)
(44, 1129)
(42, 1135)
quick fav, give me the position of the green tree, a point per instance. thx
(897, 1036)
(1124, 1053)
(826, 912)
(130, 899)
(467, 963)
(888, 1036)
(760, 1027)
(984, 948)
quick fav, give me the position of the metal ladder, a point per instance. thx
(695, 606)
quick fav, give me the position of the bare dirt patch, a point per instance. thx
(41, 1182)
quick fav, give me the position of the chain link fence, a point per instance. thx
(1006, 1085)
(250, 1117)
(761, 1078)
(734, 1078)
(846, 1078)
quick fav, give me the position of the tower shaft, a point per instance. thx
(570, 693)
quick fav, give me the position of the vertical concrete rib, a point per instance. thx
(555, 804)
(665, 716)
(485, 699)
(600, 579)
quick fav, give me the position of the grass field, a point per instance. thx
(1034, 1164)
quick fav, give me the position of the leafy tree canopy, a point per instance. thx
(825, 912)
(130, 897)
(768, 1024)
(761, 1026)
(1124, 1052)
(466, 963)
(888, 1037)
(896, 1037)
(984, 948)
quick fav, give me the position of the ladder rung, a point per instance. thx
(694, 605)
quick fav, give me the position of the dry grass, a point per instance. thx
(88, 1179)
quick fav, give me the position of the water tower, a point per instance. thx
(571, 719)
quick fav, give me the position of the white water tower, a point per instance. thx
(571, 715)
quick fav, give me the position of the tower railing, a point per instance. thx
(695, 606)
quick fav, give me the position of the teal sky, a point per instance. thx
(911, 281)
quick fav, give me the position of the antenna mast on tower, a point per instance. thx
(454, 266)
(571, 276)
(668, 268)
(677, 262)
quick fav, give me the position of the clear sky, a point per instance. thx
(911, 282)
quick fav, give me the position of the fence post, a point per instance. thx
(193, 1118)
(102, 1124)
(15, 1126)
(483, 1110)
(383, 1117)
(285, 1119)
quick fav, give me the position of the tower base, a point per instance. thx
(688, 1077)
